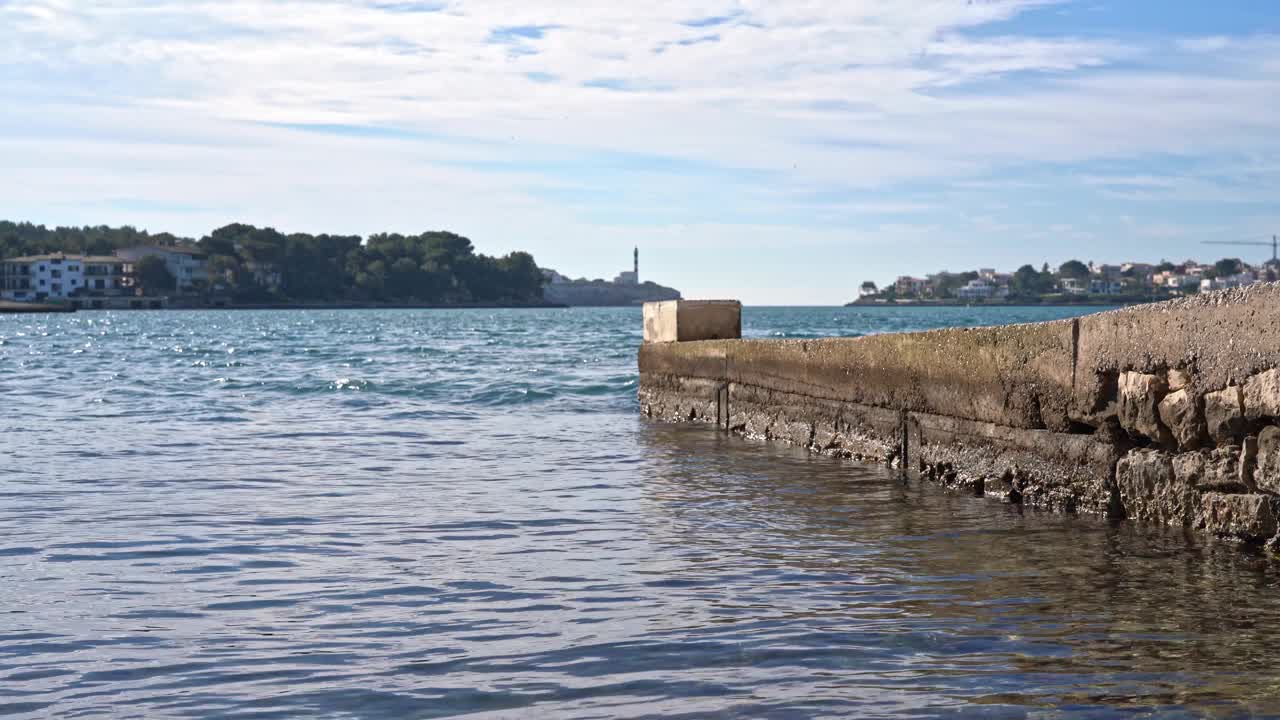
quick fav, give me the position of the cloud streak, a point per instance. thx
(506, 120)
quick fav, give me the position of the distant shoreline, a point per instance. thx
(18, 308)
(963, 303)
(374, 306)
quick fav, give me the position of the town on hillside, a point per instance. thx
(1073, 282)
(241, 265)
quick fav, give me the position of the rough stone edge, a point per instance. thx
(992, 459)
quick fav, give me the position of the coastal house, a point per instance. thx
(868, 289)
(910, 286)
(1105, 271)
(1074, 286)
(187, 266)
(1141, 271)
(1243, 279)
(1106, 285)
(997, 279)
(59, 276)
(1174, 280)
(981, 289)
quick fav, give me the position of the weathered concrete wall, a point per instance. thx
(687, 320)
(1165, 413)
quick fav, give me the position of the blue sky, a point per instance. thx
(779, 153)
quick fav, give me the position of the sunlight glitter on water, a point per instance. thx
(487, 527)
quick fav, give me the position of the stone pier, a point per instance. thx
(1166, 413)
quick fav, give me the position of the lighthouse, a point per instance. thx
(632, 276)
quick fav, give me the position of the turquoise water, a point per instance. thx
(412, 514)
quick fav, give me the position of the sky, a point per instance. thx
(773, 152)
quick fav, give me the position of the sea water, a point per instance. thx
(427, 513)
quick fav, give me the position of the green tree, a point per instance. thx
(153, 276)
(1026, 281)
(223, 269)
(435, 266)
(1073, 269)
(1228, 266)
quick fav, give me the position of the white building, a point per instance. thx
(979, 288)
(1074, 286)
(1138, 270)
(1108, 285)
(59, 277)
(186, 266)
(1106, 271)
(1174, 280)
(907, 285)
(1243, 279)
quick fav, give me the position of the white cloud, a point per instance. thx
(820, 116)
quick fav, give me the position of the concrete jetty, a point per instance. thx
(20, 308)
(1166, 413)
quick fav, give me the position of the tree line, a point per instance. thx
(253, 264)
(1029, 284)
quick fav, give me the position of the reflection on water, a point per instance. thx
(425, 513)
(887, 584)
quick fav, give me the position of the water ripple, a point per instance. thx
(434, 513)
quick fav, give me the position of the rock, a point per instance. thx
(1262, 395)
(1273, 545)
(796, 432)
(1151, 491)
(1002, 487)
(1224, 414)
(1178, 379)
(826, 439)
(1215, 471)
(1180, 415)
(749, 421)
(1110, 432)
(1247, 517)
(946, 475)
(1248, 458)
(1140, 396)
(1267, 475)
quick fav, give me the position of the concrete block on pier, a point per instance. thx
(688, 320)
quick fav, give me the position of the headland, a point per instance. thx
(626, 290)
